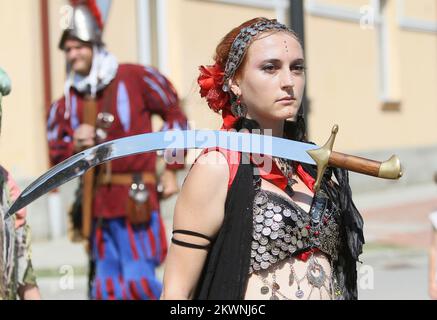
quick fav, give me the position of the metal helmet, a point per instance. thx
(83, 26)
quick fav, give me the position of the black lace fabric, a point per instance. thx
(352, 228)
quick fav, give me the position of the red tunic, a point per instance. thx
(137, 93)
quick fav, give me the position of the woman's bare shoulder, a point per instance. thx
(200, 205)
(211, 167)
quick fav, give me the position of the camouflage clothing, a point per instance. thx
(15, 263)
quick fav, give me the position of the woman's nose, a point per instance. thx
(287, 80)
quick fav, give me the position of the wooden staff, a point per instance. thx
(89, 117)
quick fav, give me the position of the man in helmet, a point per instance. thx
(102, 101)
(16, 272)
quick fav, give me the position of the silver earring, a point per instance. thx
(238, 109)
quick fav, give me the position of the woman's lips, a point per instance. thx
(286, 100)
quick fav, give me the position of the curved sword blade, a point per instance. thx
(79, 163)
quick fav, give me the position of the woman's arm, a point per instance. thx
(29, 292)
(27, 286)
(199, 208)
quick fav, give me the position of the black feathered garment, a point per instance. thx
(226, 270)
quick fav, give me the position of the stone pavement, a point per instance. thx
(399, 217)
(397, 232)
(398, 235)
(61, 268)
(393, 273)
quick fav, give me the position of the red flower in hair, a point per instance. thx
(211, 81)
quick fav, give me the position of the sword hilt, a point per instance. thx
(321, 157)
(324, 157)
(389, 169)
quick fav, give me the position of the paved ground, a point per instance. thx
(393, 274)
(398, 233)
(395, 259)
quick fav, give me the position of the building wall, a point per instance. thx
(344, 78)
(341, 81)
(418, 73)
(195, 30)
(22, 142)
(57, 14)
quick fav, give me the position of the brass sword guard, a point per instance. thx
(321, 157)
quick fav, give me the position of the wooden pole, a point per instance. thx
(89, 117)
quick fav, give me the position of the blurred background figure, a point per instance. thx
(433, 254)
(117, 205)
(433, 258)
(17, 277)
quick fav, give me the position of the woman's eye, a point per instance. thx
(298, 68)
(269, 68)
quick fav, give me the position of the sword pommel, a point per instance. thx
(391, 168)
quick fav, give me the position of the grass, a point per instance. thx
(377, 247)
(373, 246)
(57, 272)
